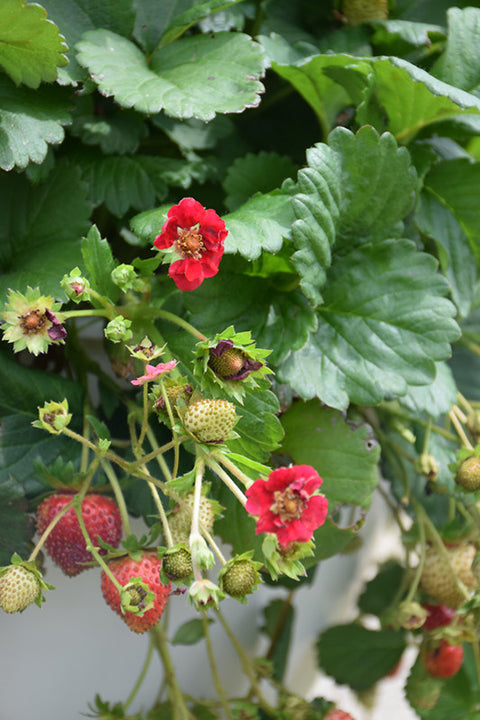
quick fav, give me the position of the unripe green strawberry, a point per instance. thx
(210, 421)
(19, 588)
(177, 564)
(423, 691)
(180, 520)
(437, 580)
(239, 576)
(358, 11)
(228, 364)
(468, 474)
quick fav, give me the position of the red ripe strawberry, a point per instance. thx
(148, 569)
(438, 616)
(66, 544)
(338, 715)
(445, 660)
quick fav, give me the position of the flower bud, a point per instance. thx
(53, 417)
(118, 330)
(75, 286)
(204, 593)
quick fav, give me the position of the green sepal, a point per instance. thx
(136, 597)
(217, 386)
(285, 564)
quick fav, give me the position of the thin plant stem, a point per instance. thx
(247, 667)
(154, 454)
(144, 427)
(459, 430)
(234, 469)
(141, 677)
(176, 448)
(227, 480)
(159, 457)
(175, 695)
(117, 491)
(213, 668)
(161, 514)
(91, 547)
(421, 561)
(181, 323)
(108, 455)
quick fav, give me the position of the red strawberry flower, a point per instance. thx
(196, 235)
(286, 503)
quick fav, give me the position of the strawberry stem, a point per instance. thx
(117, 491)
(213, 667)
(181, 323)
(234, 469)
(141, 677)
(177, 701)
(220, 472)
(459, 429)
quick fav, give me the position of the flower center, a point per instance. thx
(189, 242)
(288, 505)
(32, 322)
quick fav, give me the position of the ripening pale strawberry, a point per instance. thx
(438, 616)
(147, 568)
(445, 660)
(180, 520)
(66, 544)
(19, 588)
(210, 421)
(437, 580)
(338, 715)
(358, 11)
(468, 474)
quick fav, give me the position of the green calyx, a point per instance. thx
(136, 597)
(239, 576)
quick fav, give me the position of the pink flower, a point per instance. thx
(197, 236)
(153, 371)
(286, 504)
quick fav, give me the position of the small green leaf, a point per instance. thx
(259, 428)
(369, 343)
(29, 123)
(197, 76)
(380, 592)
(261, 223)
(255, 173)
(189, 633)
(358, 657)
(31, 47)
(99, 263)
(16, 530)
(119, 133)
(345, 457)
(182, 22)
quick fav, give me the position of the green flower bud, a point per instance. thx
(75, 286)
(53, 417)
(118, 330)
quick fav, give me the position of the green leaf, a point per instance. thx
(16, 530)
(358, 657)
(99, 264)
(259, 428)
(189, 633)
(119, 133)
(29, 122)
(153, 18)
(345, 456)
(369, 343)
(279, 618)
(435, 399)
(31, 47)
(21, 445)
(457, 260)
(455, 183)
(398, 37)
(380, 592)
(317, 208)
(260, 224)
(197, 76)
(190, 17)
(459, 64)
(74, 18)
(40, 229)
(359, 187)
(255, 173)
(236, 527)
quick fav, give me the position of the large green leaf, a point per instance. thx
(381, 328)
(360, 186)
(252, 173)
(457, 260)
(29, 122)
(261, 223)
(40, 229)
(16, 528)
(435, 399)
(459, 65)
(344, 455)
(31, 47)
(358, 657)
(196, 76)
(455, 184)
(75, 17)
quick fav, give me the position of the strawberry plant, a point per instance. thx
(239, 303)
